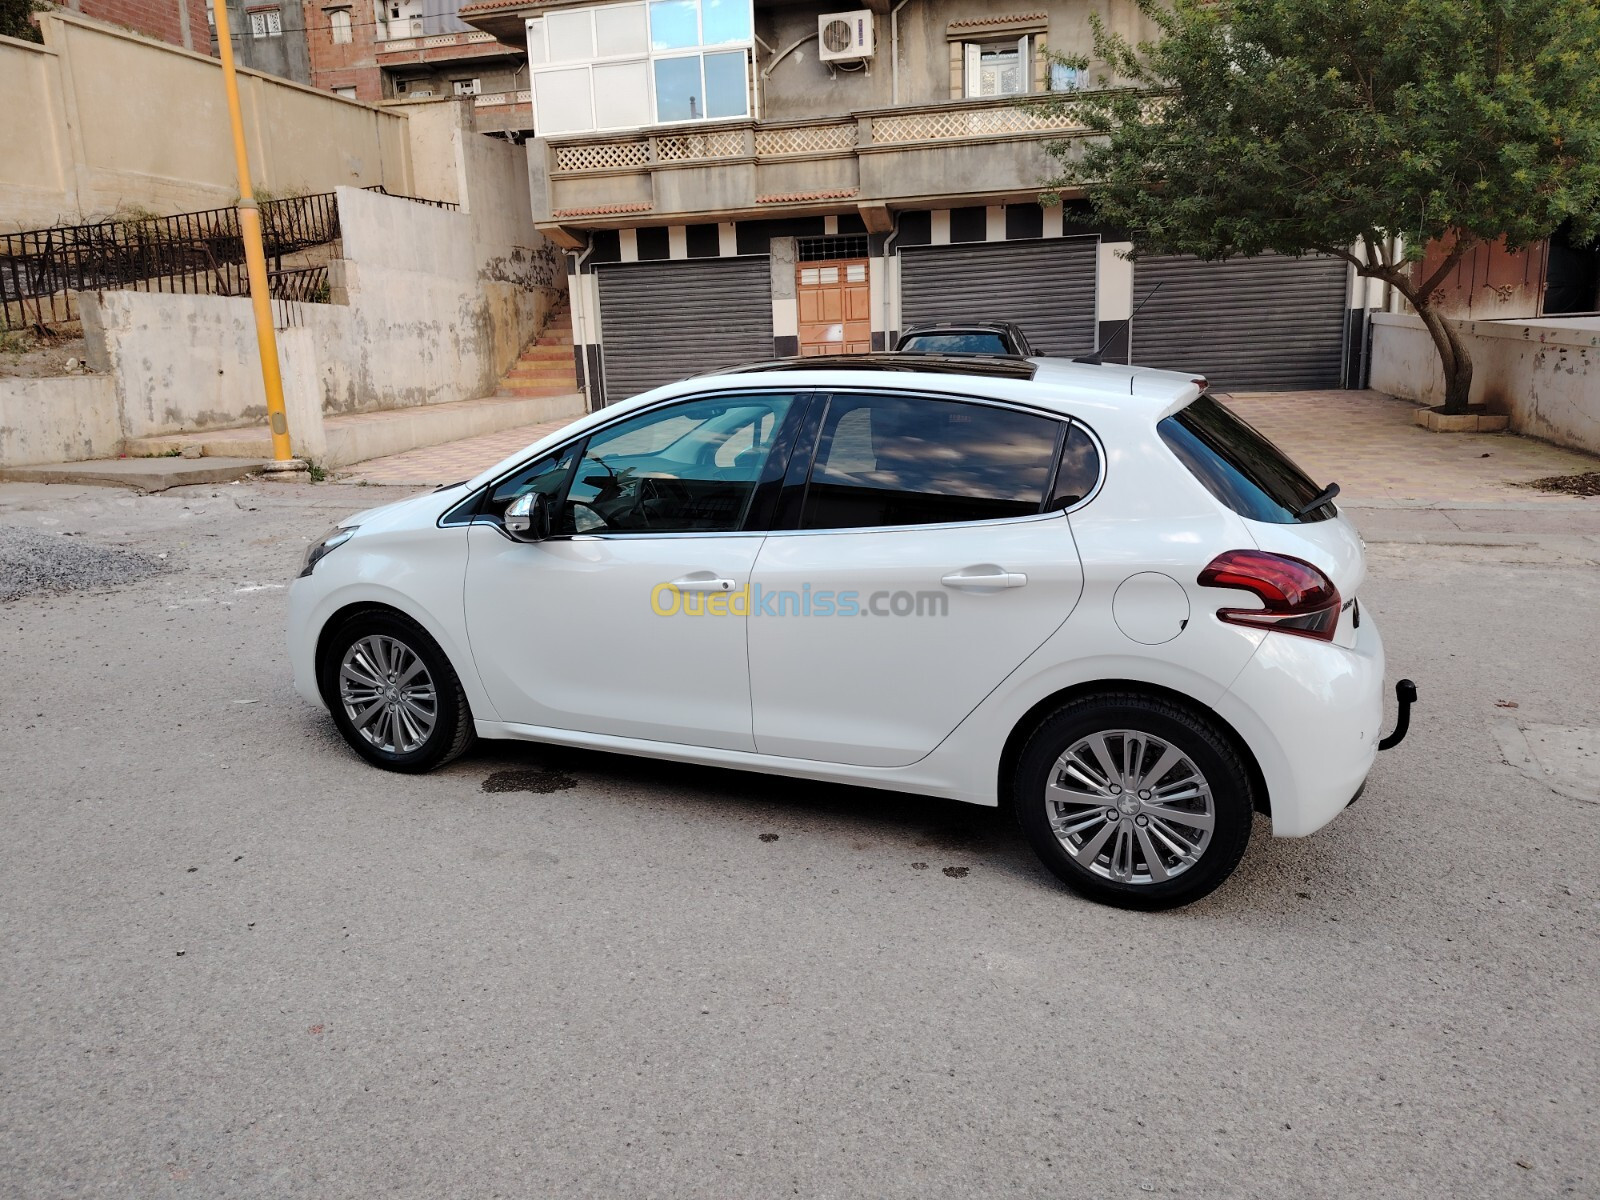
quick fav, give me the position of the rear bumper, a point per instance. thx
(1312, 713)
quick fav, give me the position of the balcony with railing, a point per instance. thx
(502, 112)
(979, 149)
(440, 47)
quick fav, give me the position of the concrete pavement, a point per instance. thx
(238, 962)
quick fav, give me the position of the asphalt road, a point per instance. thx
(235, 961)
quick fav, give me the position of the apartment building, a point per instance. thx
(734, 180)
(377, 50)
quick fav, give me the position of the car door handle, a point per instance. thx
(985, 578)
(703, 581)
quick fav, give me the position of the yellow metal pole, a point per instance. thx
(255, 256)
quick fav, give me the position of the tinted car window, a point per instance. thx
(1079, 471)
(900, 460)
(957, 343)
(1239, 466)
(687, 468)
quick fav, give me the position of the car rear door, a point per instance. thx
(921, 565)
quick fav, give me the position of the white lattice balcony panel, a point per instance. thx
(804, 139)
(687, 147)
(602, 156)
(970, 123)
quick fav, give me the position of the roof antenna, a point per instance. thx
(1093, 357)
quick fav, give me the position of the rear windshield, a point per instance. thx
(956, 343)
(1240, 467)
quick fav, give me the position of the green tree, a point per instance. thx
(1347, 127)
(15, 22)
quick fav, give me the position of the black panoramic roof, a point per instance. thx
(915, 362)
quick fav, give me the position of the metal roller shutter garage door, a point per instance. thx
(1268, 323)
(664, 321)
(1047, 287)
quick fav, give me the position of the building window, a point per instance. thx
(266, 24)
(998, 68)
(1067, 79)
(623, 66)
(339, 26)
(349, 93)
(466, 87)
(211, 14)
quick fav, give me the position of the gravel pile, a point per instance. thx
(1585, 484)
(32, 562)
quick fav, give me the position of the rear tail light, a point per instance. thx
(1297, 597)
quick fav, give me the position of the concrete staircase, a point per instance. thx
(546, 367)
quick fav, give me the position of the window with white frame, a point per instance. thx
(999, 68)
(266, 24)
(1067, 79)
(657, 62)
(339, 25)
(467, 87)
(348, 93)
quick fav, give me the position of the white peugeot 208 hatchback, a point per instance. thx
(1088, 591)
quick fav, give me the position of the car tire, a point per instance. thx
(382, 666)
(1133, 800)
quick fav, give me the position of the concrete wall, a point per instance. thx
(1545, 373)
(437, 306)
(179, 362)
(64, 419)
(97, 119)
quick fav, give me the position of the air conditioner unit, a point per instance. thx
(845, 36)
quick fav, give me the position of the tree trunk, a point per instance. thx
(1453, 357)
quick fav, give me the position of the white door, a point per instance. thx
(929, 565)
(622, 623)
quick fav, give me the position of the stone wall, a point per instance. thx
(1544, 372)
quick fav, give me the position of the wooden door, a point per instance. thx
(835, 307)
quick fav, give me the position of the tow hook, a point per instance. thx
(1405, 693)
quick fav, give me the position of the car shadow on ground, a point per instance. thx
(941, 833)
(925, 833)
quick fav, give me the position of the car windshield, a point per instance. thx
(1239, 466)
(970, 342)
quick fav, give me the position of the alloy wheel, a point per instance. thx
(388, 694)
(1129, 807)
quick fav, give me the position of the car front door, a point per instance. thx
(930, 558)
(622, 622)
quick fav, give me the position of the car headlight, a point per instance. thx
(319, 550)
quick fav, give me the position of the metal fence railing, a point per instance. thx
(198, 252)
(383, 191)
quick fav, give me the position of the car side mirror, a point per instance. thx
(528, 518)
